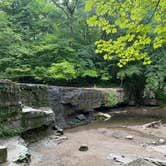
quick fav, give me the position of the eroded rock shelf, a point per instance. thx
(30, 106)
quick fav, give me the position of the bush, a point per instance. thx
(6, 131)
(112, 99)
(63, 70)
(40, 73)
(24, 70)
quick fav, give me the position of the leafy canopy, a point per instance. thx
(63, 70)
(132, 28)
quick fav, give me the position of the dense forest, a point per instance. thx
(85, 43)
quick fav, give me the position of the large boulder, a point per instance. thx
(34, 118)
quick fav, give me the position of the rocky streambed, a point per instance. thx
(105, 131)
(118, 141)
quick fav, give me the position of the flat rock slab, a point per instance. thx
(120, 158)
(37, 112)
(140, 162)
(160, 148)
(3, 154)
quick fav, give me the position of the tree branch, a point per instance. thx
(158, 2)
(59, 6)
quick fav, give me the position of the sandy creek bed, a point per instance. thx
(104, 140)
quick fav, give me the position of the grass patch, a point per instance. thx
(6, 131)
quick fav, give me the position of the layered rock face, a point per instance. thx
(67, 101)
(10, 109)
(30, 106)
(12, 113)
(33, 95)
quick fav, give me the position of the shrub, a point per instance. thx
(112, 99)
(6, 131)
(63, 70)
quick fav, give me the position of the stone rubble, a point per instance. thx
(59, 131)
(83, 148)
(102, 116)
(129, 137)
(155, 124)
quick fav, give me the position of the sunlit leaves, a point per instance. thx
(142, 22)
(63, 70)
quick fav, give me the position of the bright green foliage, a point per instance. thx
(49, 41)
(34, 34)
(63, 70)
(90, 73)
(129, 71)
(156, 77)
(23, 70)
(132, 26)
(40, 73)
